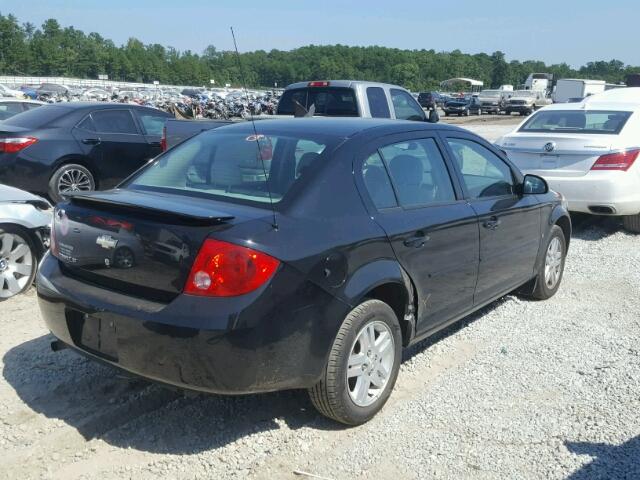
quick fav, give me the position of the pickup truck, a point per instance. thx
(327, 98)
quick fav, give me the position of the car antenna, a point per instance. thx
(255, 131)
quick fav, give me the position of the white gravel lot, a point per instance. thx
(522, 389)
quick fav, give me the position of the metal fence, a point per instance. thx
(81, 82)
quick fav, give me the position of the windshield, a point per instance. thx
(577, 121)
(37, 117)
(234, 166)
(329, 101)
(490, 93)
(523, 93)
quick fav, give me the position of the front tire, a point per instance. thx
(18, 261)
(70, 178)
(551, 267)
(632, 223)
(362, 367)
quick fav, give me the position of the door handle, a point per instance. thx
(417, 241)
(492, 223)
(155, 144)
(91, 141)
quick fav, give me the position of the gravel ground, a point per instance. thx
(519, 390)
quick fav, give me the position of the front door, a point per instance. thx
(433, 231)
(509, 222)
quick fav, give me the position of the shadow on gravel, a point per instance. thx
(594, 227)
(610, 461)
(100, 402)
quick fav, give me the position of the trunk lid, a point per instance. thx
(556, 155)
(139, 243)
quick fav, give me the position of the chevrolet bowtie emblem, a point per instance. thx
(107, 241)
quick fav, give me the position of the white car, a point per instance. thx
(24, 238)
(10, 92)
(587, 151)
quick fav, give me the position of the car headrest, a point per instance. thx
(406, 170)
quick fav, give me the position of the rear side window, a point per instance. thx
(577, 121)
(378, 183)
(378, 105)
(9, 109)
(114, 121)
(484, 173)
(418, 172)
(336, 102)
(38, 117)
(152, 124)
(405, 106)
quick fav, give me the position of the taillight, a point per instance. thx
(13, 145)
(616, 161)
(318, 84)
(223, 269)
(163, 140)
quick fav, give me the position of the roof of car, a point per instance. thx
(20, 100)
(341, 84)
(98, 105)
(335, 126)
(627, 99)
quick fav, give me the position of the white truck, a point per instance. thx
(575, 88)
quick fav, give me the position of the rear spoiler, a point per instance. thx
(165, 214)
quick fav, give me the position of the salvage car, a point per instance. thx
(363, 237)
(24, 237)
(463, 106)
(525, 102)
(587, 151)
(79, 146)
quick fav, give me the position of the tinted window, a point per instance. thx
(31, 106)
(405, 106)
(378, 105)
(377, 182)
(419, 173)
(337, 102)
(38, 117)
(87, 124)
(232, 166)
(10, 109)
(152, 124)
(483, 172)
(577, 121)
(114, 121)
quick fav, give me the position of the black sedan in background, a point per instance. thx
(66, 147)
(304, 255)
(463, 106)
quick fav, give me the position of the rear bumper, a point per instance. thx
(239, 346)
(619, 191)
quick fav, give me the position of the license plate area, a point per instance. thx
(94, 333)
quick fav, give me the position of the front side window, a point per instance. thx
(233, 166)
(378, 183)
(418, 172)
(405, 106)
(484, 173)
(378, 105)
(577, 121)
(114, 121)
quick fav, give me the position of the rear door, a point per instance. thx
(433, 231)
(510, 223)
(123, 146)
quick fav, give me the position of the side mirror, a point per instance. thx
(433, 116)
(534, 185)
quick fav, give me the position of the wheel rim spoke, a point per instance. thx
(22, 269)
(354, 368)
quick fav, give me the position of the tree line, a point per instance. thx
(53, 50)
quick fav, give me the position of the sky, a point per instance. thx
(571, 31)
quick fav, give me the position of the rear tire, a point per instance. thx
(70, 178)
(551, 266)
(360, 374)
(632, 223)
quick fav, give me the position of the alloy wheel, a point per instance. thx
(370, 364)
(553, 263)
(74, 180)
(16, 264)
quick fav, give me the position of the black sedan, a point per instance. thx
(305, 254)
(463, 106)
(66, 147)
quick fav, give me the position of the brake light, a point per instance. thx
(13, 145)
(616, 161)
(163, 140)
(318, 84)
(223, 269)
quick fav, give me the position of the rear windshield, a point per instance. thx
(331, 101)
(234, 166)
(37, 117)
(577, 121)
